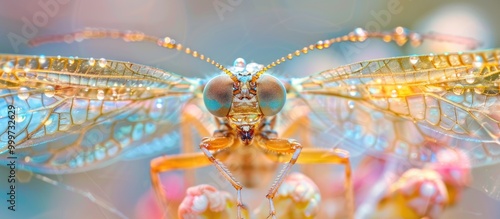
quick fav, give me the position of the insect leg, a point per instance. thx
(169, 163)
(219, 143)
(280, 146)
(335, 156)
(301, 128)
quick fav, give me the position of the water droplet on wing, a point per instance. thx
(23, 93)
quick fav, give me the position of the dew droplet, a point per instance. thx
(100, 95)
(414, 60)
(91, 61)
(352, 90)
(23, 93)
(360, 34)
(20, 117)
(27, 68)
(479, 89)
(49, 91)
(7, 67)
(350, 104)
(478, 62)
(253, 67)
(394, 93)
(42, 59)
(470, 78)
(319, 45)
(71, 60)
(431, 56)
(20, 114)
(458, 89)
(159, 103)
(102, 62)
(239, 62)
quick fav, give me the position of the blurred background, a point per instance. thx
(259, 31)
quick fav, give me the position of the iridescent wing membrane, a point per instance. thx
(78, 114)
(404, 105)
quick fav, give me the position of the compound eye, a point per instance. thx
(271, 94)
(218, 95)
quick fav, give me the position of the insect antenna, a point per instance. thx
(399, 35)
(127, 36)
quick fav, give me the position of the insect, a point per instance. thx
(396, 105)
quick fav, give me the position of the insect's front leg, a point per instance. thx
(169, 163)
(219, 143)
(280, 146)
(333, 156)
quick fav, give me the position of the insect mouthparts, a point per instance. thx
(245, 133)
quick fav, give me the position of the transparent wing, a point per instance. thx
(404, 104)
(77, 114)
